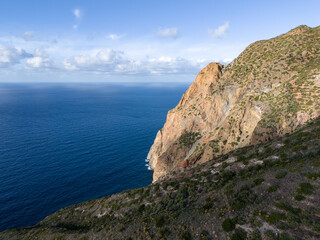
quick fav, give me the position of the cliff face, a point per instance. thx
(268, 91)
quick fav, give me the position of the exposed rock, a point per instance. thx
(268, 91)
(298, 30)
(304, 53)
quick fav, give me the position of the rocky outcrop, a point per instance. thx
(268, 91)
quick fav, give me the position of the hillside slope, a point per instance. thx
(269, 90)
(264, 191)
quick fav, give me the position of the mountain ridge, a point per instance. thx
(268, 90)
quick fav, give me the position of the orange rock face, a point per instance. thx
(269, 90)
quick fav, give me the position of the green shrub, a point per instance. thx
(141, 208)
(156, 187)
(274, 217)
(281, 174)
(287, 207)
(207, 206)
(299, 197)
(270, 234)
(283, 156)
(204, 235)
(258, 181)
(242, 198)
(160, 221)
(272, 189)
(305, 188)
(255, 221)
(284, 236)
(228, 225)
(229, 189)
(316, 226)
(255, 235)
(186, 236)
(312, 176)
(189, 138)
(164, 232)
(239, 234)
(225, 176)
(224, 165)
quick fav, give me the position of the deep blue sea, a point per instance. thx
(61, 144)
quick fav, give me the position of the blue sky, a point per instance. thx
(78, 40)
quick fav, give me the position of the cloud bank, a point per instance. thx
(112, 62)
(220, 31)
(97, 54)
(10, 56)
(168, 32)
(27, 36)
(77, 13)
(40, 60)
(114, 36)
(102, 60)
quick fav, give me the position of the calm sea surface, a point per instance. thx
(62, 144)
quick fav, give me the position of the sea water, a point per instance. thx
(62, 144)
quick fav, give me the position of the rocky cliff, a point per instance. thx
(270, 89)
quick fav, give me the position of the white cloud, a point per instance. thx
(220, 31)
(37, 62)
(168, 32)
(163, 59)
(114, 36)
(170, 65)
(113, 62)
(144, 56)
(93, 35)
(12, 55)
(227, 60)
(40, 60)
(27, 36)
(101, 60)
(77, 13)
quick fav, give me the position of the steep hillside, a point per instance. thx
(268, 91)
(265, 191)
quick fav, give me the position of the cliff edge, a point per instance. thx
(270, 89)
